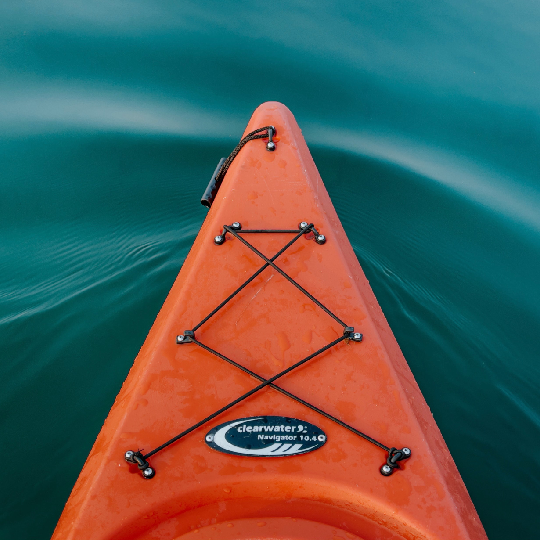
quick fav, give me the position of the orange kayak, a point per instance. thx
(270, 399)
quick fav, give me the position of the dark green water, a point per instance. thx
(424, 120)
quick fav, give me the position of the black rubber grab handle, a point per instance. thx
(213, 186)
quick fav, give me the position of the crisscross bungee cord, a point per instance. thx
(235, 229)
(394, 455)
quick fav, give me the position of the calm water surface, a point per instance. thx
(424, 120)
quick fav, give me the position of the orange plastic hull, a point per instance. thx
(335, 491)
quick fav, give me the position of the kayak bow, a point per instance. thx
(286, 409)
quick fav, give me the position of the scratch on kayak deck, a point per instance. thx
(269, 191)
(253, 298)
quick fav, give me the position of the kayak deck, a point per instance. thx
(268, 327)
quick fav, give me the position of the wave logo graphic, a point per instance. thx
(266, 436)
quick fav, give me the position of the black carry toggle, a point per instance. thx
(213, 186)
(394, 455)
(137, 458)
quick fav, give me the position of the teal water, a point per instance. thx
(424, 120)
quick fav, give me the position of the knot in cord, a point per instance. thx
(394, 456)
(137, 458)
